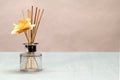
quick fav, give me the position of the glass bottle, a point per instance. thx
(30, 60)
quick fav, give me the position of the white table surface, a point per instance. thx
(64, 66)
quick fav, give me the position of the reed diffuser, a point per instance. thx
(30, 60)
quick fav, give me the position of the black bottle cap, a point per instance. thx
(31, 47)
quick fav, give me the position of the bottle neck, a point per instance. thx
(31, 47)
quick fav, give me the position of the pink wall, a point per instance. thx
(67, 25)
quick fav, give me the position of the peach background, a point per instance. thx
(67, 25)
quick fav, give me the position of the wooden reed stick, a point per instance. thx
(26, 36)
(35, 17)
(26, 63)
(32, 14)
(28, 31)
(31, 23)
(25, 31)
(40, 18)
(38, 24)
(36, 10)
(31, 64)
(35, 14)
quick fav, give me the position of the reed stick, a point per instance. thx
(35, 15)
(28, 31)
(31, 23)
(31, 64)
(32, 14)
(25, 31)
(26, 36)
(40, 18)
(36, 22)
(26, 63)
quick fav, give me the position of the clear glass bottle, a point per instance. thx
(30, 60)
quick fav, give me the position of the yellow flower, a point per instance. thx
(22, 26)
